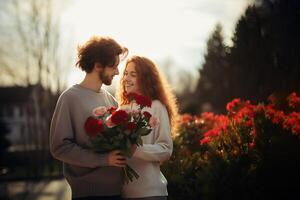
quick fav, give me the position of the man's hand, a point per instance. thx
(115, 158)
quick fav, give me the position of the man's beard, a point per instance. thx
(105, 78)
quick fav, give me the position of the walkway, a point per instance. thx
(42, 190)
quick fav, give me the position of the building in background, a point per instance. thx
(27, 113)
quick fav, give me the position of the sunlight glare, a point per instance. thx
(160, 30)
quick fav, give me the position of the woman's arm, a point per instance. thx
(162, 147)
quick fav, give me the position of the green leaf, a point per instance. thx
(127, 132)
(139, 141)
(143, 131)
(128, 144)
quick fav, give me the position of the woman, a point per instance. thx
(143, 77)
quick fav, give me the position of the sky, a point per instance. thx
(173, 31)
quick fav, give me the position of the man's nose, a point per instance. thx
(117, 72)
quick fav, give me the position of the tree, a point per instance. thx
(212, 88)
(30, 54)
(265, 56)
(31, 43)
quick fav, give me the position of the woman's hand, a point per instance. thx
(116, 159)
(133, 149)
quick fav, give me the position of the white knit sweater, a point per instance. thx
(157, 147)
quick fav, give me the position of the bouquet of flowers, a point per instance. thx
(112, 128)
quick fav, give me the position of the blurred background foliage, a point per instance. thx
(263, 59)
(249, 153)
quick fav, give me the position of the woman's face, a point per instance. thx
(130, 80)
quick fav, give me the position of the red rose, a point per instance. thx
(147, 115)
(93, 126)
(131, 126)
(119, 117)
(131, 96)
(112, 109)
(140, 99)
(143, 101)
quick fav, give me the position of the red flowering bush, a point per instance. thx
(244, 115)
(294, 101)
(112, 128)
(253, 150)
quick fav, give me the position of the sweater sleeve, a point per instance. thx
(62, 142)
(162, 147)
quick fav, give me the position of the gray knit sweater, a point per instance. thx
(86, 171)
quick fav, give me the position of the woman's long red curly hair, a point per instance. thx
(152, 84)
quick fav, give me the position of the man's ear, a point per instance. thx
(98, 67)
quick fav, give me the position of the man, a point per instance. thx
(91, 175)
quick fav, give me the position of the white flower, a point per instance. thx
(132, 107)
(135, 113)
(125, 107)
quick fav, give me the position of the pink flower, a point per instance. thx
(135, 113)
(153, 121)
(99, 111)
